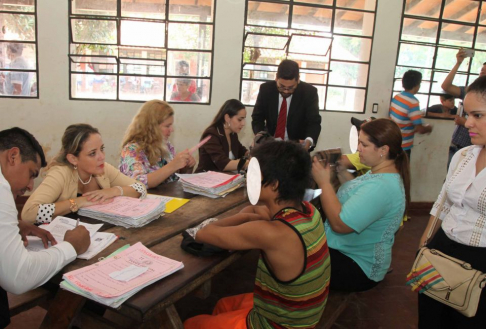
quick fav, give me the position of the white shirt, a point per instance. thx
(464, 212)
(289, 99)
(21, 270)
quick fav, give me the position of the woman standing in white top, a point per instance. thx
(462, 233)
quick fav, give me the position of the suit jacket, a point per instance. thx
(303, 119)
(214, 155)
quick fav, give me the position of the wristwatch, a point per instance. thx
(74, 206)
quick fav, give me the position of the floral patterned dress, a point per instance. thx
(135, 163)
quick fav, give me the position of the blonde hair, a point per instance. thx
(72, 141)
(144, 129)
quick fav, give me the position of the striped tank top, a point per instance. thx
(298, 303)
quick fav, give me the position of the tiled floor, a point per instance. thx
(390, 305)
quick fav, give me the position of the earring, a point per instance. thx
(75, 167)
(381, 155)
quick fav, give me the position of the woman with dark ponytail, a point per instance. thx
(364, 215)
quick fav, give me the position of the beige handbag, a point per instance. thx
(446, 279)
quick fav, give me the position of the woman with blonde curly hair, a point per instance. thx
(147, 155)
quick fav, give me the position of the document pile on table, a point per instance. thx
(125, 211)
(113, 280)
(59, 226)
(211, 184)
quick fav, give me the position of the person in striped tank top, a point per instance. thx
(405, 110)
(293, 274)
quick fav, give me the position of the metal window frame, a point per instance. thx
(437, 45)
(35, 43)
(290, 31)
(119, 18)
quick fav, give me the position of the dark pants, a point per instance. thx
(346, 275)
(433, 314)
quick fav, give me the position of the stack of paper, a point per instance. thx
(113, 280)
(211, 184)
(171, 203)
(125, 211)
(59, 226)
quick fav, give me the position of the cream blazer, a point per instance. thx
(61, 183)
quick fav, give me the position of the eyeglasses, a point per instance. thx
(283, 88)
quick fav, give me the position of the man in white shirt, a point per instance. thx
(21, 158)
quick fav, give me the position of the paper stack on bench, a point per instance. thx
(59, 226)
(125, 211)
(211, 184)
(113, 280)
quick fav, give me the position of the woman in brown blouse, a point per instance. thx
(223, 151)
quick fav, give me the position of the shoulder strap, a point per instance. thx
(437, 216)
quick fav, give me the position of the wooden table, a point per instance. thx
(145, 305)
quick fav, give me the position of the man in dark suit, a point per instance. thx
(288, 108)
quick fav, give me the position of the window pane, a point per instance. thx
(190, 36)
(17, 5)
(141, 67)
(138, 52)
(94, 7)
(318, 2)
(427, 8)
(345, 99)
(423, 101)
(310, 61)
(477, 61)
(92, 49)
(321, 93)
(249, 91)
(461, 10)
(135, 33)
(262, 72)
(93, 86)
(419, 30)
(349, 48)
(93, 68)
(317, 77)
(17, 55)
(267, 14)
(18, 27)
(446, 59)
(302, 44)
(400, 71)
(18, 83)
(354, 22)
(348, 74)
(454, 35)
(94, 31)
(357, 4)
(154, 9)
(310, 18)
(439, 77)
(481, 38)
(189, 63)
(141, 88)
(264, 56)
(415, 55)
(181, 10)
(266, 41)
(188, 90)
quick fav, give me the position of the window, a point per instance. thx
(18, 49)
(330, 40)
(432, 32)
(140, 50)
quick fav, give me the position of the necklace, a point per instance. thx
(89, 180)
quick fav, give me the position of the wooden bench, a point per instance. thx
(20, 303)
(336, 303)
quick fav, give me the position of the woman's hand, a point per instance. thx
(105, 195)
(181, 160)
(191, 162)
(320, 174)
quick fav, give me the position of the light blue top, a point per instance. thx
(373, 206)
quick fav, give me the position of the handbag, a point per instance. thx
(446, 279)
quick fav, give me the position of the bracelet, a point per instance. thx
(121, 189)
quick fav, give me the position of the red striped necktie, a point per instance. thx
(282, 120)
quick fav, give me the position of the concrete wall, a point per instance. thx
(48, 116)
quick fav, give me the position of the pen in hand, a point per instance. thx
(77, 222)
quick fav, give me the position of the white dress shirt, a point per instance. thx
(464, 212)
(21, 270)
(289, 99)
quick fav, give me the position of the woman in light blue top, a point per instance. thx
(364, 215)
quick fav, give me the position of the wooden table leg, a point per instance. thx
(63, 310)
(204, 290)
(167, 319)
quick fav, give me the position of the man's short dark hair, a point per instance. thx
(288, 70)
(29, 146)
(445, 97)
(287, 163)
(411, 79)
